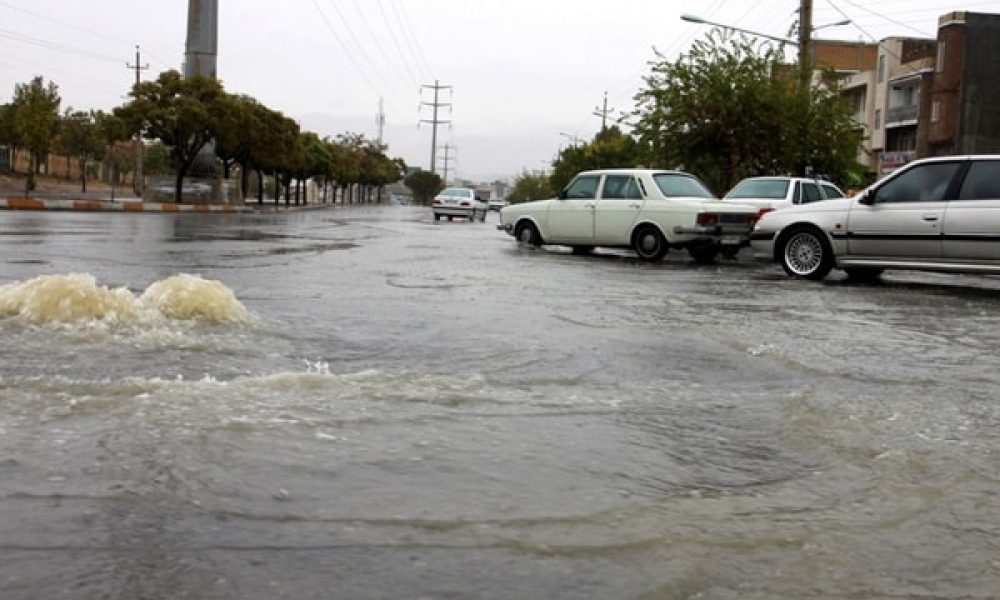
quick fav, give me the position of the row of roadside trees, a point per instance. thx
(179, 116)
(727, 109)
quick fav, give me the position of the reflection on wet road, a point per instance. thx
(425, 410)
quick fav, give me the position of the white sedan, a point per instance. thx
(772, 193)
(940, 214)
(647, 210)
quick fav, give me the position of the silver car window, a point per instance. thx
(982, 182)
(583, 187)
(923, 183)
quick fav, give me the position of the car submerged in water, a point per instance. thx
(648, 210)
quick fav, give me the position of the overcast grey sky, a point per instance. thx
(526, 75)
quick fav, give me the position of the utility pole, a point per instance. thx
(805, 43)
(603, 112)
(137, 144)
(380, 121)
(434, 121)
(447, 157)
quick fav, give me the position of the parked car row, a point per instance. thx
(934, 214)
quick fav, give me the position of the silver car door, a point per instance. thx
(571, 217)
(972, 221)
(905, 216)
(617, 209)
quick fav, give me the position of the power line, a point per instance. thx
(411, 40)
(381, 48)
(357, 42)
(27, 39)
(395, 41)
(344, 47)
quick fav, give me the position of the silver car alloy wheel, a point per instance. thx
(803, 253)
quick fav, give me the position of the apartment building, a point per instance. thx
(919, 97)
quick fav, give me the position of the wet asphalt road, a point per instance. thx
(427, 410)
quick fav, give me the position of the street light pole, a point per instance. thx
(805, 43)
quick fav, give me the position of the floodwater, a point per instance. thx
(361, 403)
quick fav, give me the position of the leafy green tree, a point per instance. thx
(80, 138)
(531, 186)
(729, 109)
(112, 131)
(36, 117)
(181, 112)
(424, 185)
(270, 149)
(157, 160)
(610, 148)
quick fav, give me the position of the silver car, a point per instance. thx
(459, 202)
(940, 214)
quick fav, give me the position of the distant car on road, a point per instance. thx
(498, 203)
(938, 214)
(647, 210)
(771, 193)
(459, 202)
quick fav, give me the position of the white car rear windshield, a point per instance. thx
(456, 192)
(676, 185)
(759, 188)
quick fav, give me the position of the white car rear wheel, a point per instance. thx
(648, 243)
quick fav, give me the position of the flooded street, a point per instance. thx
(362, 403)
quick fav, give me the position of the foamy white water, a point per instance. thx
(77, 297)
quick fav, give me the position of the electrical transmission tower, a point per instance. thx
(447, 156)
(137, 171)
(380, 121)
(603, 112)
(434, 120)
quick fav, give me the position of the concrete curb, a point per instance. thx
(10, 203)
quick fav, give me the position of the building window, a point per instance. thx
(941, 53)
(935, 111)
(878, 119)
(881, 68)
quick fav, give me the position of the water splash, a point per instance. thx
(77, 298)
(191, 297)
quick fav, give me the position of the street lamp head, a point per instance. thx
(837, 24)
(692, 18)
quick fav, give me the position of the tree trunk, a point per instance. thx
(260, 187)
(83, 175)
(29, 183)
(179, 186)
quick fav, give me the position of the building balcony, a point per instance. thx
(901, 115)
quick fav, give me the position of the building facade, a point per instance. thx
(917, 97)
